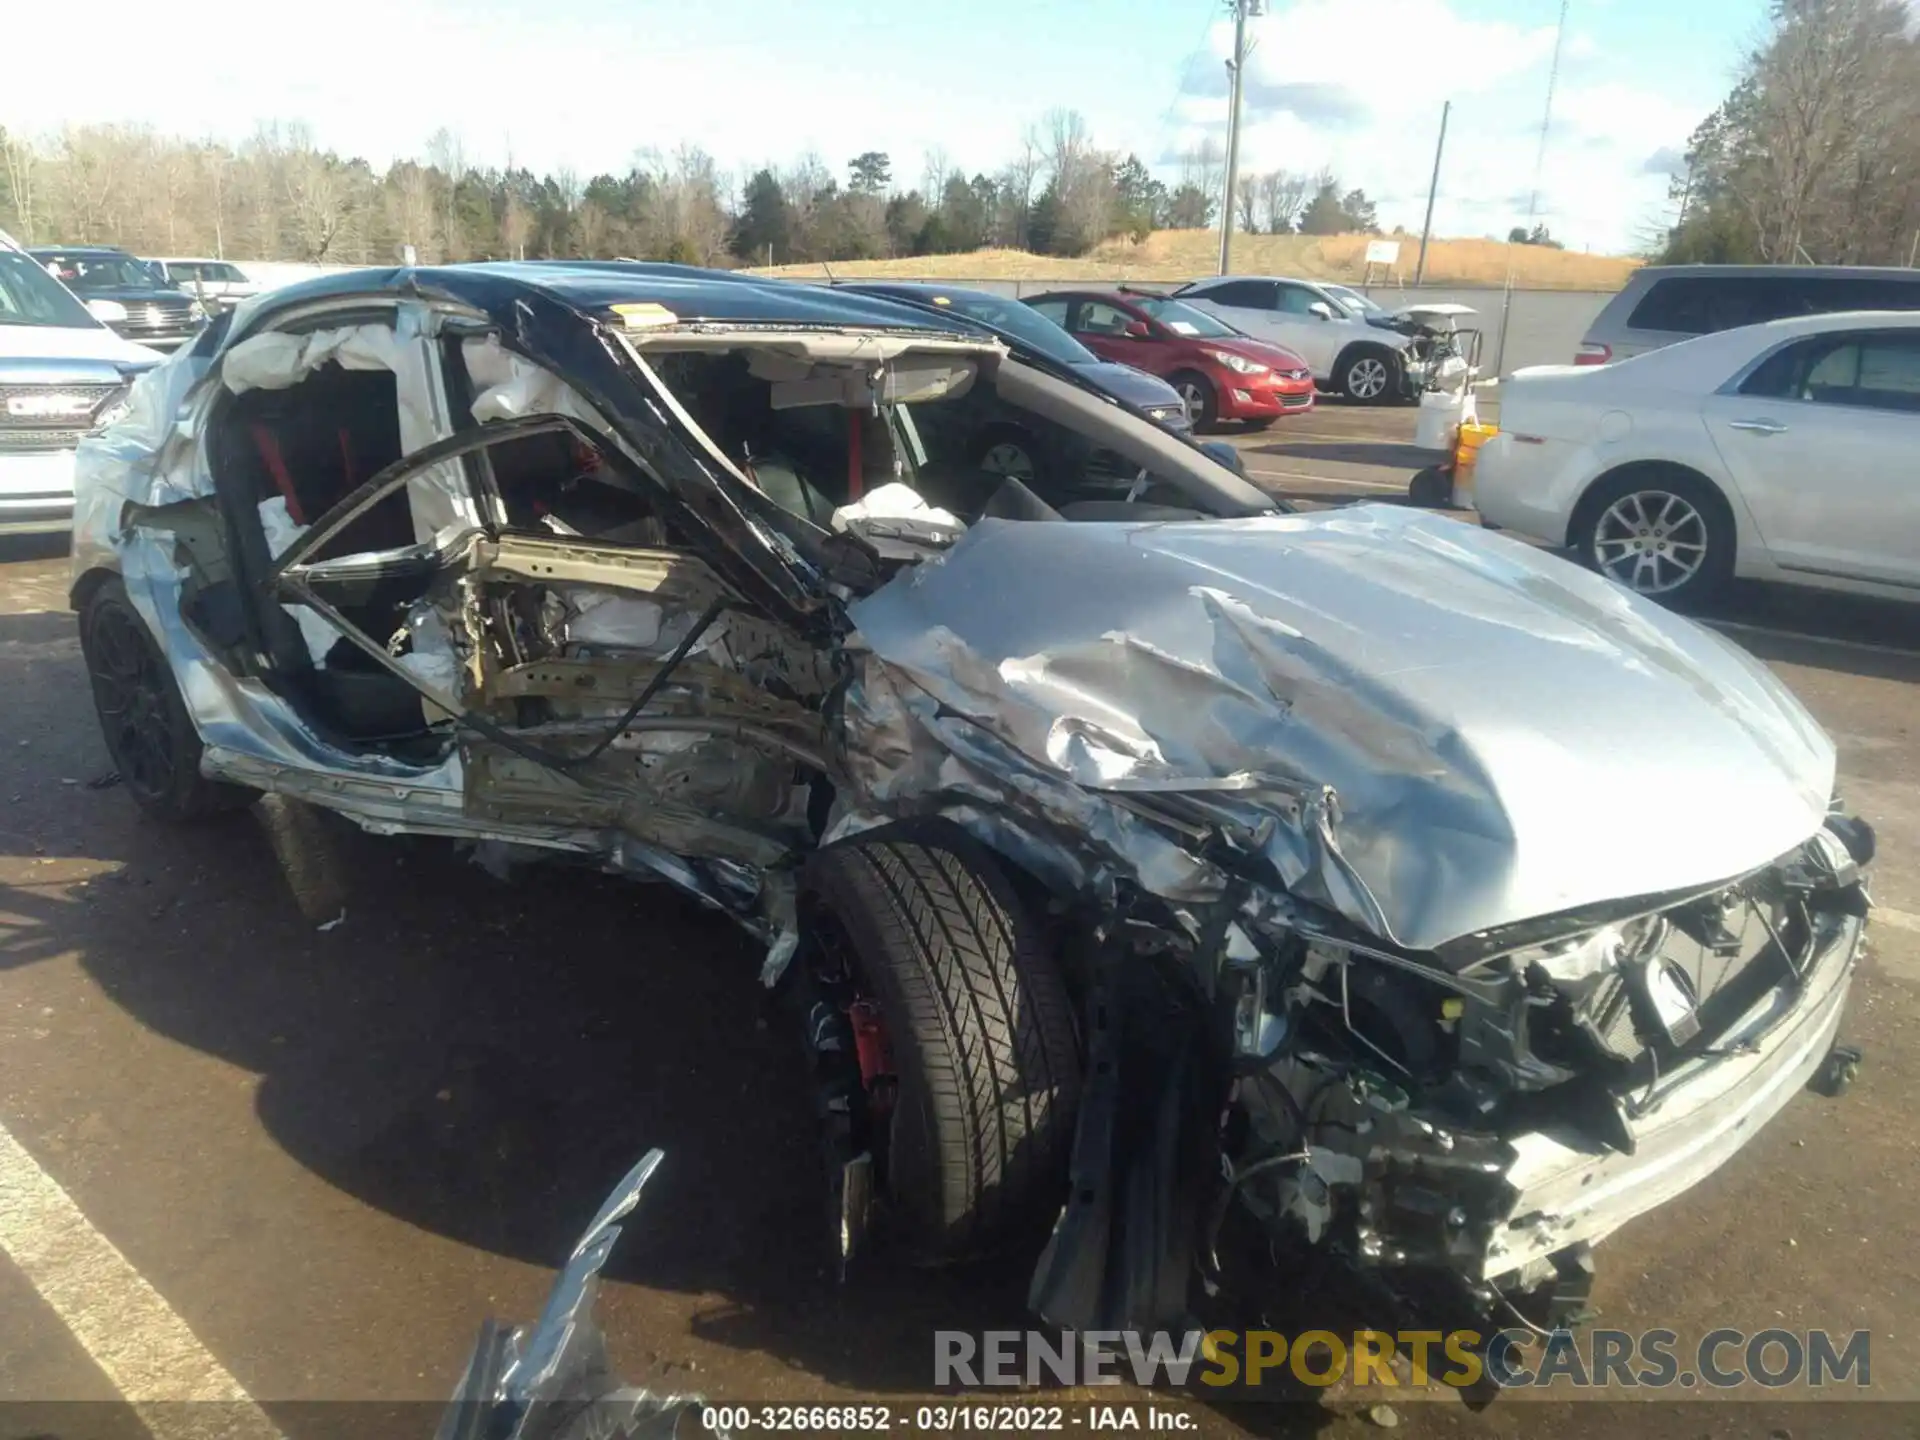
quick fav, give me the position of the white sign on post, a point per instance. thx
(1383, 252)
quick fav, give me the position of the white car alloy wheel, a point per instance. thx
(1651, 541)
(1009, 458)
(1367, 378)
(1195, 401)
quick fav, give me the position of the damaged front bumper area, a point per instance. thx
(1611, 1073)
(1500, 1211)
(1460, 1126)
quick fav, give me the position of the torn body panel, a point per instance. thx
(552, 1380)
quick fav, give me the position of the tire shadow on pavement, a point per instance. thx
(484, 1060)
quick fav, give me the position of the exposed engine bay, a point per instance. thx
(1441, 354)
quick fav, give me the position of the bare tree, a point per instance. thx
(20, 159)
(411, 203)
(1246, 203)
(935, 170)
(687, 220)
(1813, 119)
(1016, 190)
(214, 162)
(1283, 195)
(1203, 167)
(447, 153)
(315, 193)
(515, 226)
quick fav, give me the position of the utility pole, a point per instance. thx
(1235, 68)
(1433, 189)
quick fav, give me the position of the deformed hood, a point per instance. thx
(1505, 735)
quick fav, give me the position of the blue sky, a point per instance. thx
(584, 83)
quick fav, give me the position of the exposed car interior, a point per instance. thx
(286, 457)
(812, 453)
(815, 434)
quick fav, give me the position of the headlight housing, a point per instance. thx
(1239, 364)
(113, 412)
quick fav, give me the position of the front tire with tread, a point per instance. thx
(981, 1031)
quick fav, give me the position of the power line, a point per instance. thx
(1533, 196)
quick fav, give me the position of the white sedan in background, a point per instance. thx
(1787, 452)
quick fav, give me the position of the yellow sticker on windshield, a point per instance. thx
(941, 300)
(645, 315)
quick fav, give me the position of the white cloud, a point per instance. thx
(560, 84)
(1365, 101)
(566, 84)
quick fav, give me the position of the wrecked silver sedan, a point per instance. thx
(1135, 851)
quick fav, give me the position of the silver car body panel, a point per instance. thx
(1452, 729)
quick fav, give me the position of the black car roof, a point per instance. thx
(39, 250)
(593, 287)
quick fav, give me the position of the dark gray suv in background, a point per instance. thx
(1665, 304)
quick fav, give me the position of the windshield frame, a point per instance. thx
(48, 305)
(1207, 327)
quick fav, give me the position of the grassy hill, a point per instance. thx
(1184, 254)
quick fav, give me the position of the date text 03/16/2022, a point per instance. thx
(944, 1418)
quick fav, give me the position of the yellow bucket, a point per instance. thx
(1466, 453)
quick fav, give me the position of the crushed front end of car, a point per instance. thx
(1379, 945)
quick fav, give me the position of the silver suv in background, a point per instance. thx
(1665, 304)
(1354, 347)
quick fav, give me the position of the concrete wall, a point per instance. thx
(1544, 327)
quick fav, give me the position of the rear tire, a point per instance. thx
(1431, 488)
(979, 1028)
(142, 717)
(1659, 530)
(1202, 402)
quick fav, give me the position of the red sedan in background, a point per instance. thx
(1219, 372)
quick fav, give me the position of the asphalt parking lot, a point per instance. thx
(321, 1101)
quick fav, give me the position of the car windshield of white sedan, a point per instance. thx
(1183, 319)
(29, 296)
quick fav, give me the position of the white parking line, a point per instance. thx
(145, 1350)
(1741, 626)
